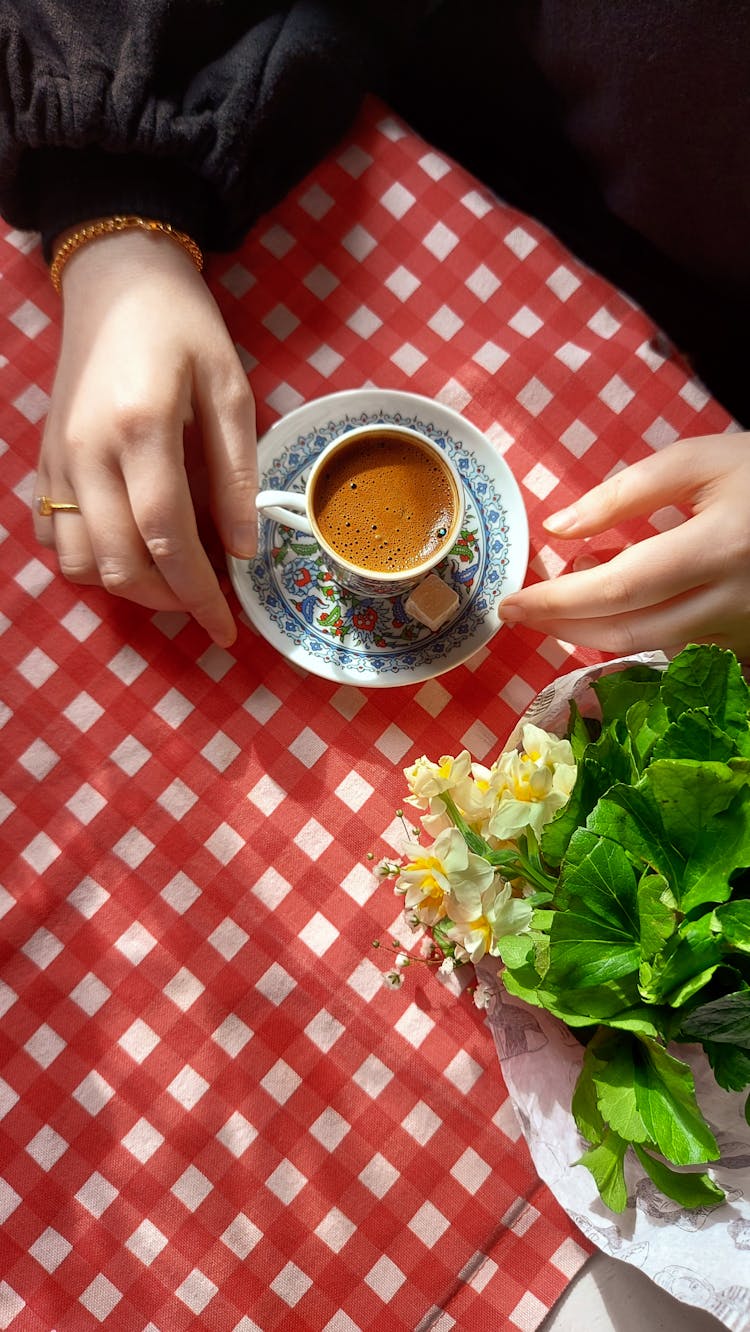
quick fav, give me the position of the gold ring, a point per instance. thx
(47, 506)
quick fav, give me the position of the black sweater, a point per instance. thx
(624, 124)
(200, 112)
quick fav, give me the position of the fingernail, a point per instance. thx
(244, 540)
(562, 521)
(510, 613)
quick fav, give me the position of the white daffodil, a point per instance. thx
(471, 940)
(507, 914)
(499, 913)
(426, 779)
(530, 785)
(465, 900)
(468, 784)
(441, 874)
(437, 820)
(475, 797)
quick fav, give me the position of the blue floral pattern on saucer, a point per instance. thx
(292, 598)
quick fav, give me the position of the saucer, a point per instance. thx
(288, 594)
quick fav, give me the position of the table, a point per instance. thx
(213, 1114)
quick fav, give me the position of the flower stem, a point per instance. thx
(513, 861)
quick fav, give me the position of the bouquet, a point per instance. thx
(608, 871)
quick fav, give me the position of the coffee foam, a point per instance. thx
(384, 503)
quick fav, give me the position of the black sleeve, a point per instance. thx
(200, 112)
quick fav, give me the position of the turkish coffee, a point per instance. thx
(385, 503)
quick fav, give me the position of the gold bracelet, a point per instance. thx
(109, 225)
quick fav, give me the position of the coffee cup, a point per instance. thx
(384, 503)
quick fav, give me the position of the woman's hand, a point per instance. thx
(144, 350)
(689, 584)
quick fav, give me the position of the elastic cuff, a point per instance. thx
(77, 185)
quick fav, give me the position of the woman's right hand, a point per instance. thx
(144, 351)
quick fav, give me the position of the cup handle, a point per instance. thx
(269, 502)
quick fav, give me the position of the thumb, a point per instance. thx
(227, 412)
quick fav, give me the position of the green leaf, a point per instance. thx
(612, 755)
(691, 1189)
(630, 816)
(726, 1020)
(596, 938)
(688, 961)
(584, 1105)
(734, 919)
(645, 722)
(689, 821)
(524, 983)
(614, 1079)
(618, 691)
(541, 919)
(605, 1161)
(608, 1004)
(724, 849)
(695, 736)
(515, 950)
(541, 953)
(710, 677)
(599, 877)
(665, 1097)
(731, 1066)
(657, 913)
(615, 1003)
(684, 992)
(592, 780)
(641, 1019)
(690, 795)
(577, 732)
(585, 952)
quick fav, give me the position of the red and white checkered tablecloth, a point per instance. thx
(212, 1112)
